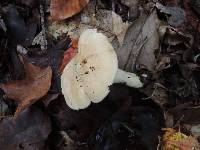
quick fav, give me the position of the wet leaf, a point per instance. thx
(27, 91)
(30, 130)
(62, 9)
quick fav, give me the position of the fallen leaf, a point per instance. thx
(136, 124)
(184, 112)
(62, 9)
(195, 4)
(177, 15)
(30, 129)
(30, 3)
(106, 21)
(133, 6)
(191, 7)
(48, 98)
(3, 107)
(174, 140)
(16, 26)
(140, 42)
(69, 54)
(60, 140)
(195, 130)
(164, 63)
(192, 11)
(119, 27)
(27, 91)
(173, 37)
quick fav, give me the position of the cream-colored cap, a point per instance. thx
(89, 74)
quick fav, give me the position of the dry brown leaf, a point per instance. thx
(27, 91)
(62, 9)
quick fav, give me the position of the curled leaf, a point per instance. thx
(174, 140)
(177, 15)
(27, 91)
(62, 9)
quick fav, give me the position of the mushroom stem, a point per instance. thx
(130, 79)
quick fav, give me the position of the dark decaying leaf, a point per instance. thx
(181, 84)
(192, 13)
(195, 4)
(29, 131)
(140, 43)
(173, 37)
(133, 8)
(59, 140)
(17, 66)
(121, 108)
(16, 26)
(135, 126)
(30, 3)
(82, 123)
(27, 91)
(48, 98)
(91, 118)
(14, 23)
(175, 15)
(182, 113)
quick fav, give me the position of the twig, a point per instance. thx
(42, 17)
(159, 143)
(156, 86)
(179, 121)
(2, 117)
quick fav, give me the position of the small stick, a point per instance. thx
(44, 40)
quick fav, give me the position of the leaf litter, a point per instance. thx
(27, 91)
(159, 41)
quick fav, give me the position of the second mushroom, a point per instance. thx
(87, 77)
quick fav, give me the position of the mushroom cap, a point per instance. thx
(87, 77)
(62, 9)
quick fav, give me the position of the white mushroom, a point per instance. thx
(87, 77)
